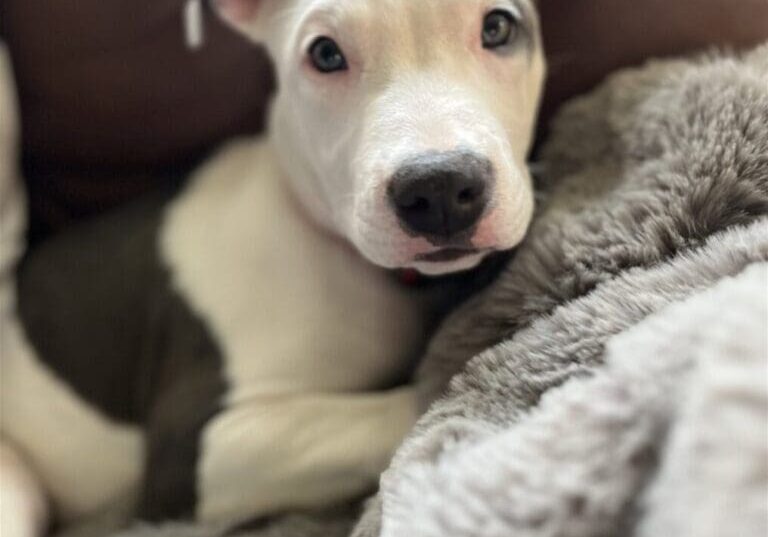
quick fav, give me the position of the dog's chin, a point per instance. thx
(398, 251)
(431, 262)
(444, 267)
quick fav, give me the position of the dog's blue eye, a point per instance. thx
(326, 56)
(500, 28)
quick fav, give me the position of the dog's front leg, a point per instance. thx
(299, 451)
(174, 431)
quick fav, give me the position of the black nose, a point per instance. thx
(441, 194)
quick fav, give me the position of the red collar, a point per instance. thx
(409, 277)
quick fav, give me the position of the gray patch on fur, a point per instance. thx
(97, 305)
(86, 301)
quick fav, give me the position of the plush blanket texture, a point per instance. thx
(613, 381)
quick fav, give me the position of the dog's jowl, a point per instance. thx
(233, 349)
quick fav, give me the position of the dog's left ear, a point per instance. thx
(246, 16)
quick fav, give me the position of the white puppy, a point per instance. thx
(231, 349)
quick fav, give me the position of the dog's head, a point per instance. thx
(404, 125)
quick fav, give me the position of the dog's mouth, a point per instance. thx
(446, 255)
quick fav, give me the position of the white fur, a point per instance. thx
(302, 403)
(23, 508)
(267, 246)
(307, 327)
(418, 80)
(56, 429)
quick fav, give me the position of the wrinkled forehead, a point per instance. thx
(397, 34)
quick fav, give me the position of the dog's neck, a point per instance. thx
(235, 235)
(243, 198)
(294, 205)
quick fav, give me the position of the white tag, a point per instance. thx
(194, 33)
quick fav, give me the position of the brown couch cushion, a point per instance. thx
(113, 103)
(586, 39)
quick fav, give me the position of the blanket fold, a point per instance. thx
(656, 191)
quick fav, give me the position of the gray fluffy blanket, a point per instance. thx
(614, 380)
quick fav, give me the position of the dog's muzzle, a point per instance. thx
(441, 196)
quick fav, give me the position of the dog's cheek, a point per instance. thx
(506, 226)
(378, 238)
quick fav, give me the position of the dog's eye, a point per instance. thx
(326, 56)
(500, 28)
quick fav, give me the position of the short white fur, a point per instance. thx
(278, 245)
(419, 80)
(303, 403)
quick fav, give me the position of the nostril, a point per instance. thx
(467, 196)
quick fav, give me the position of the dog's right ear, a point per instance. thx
(246, 16)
